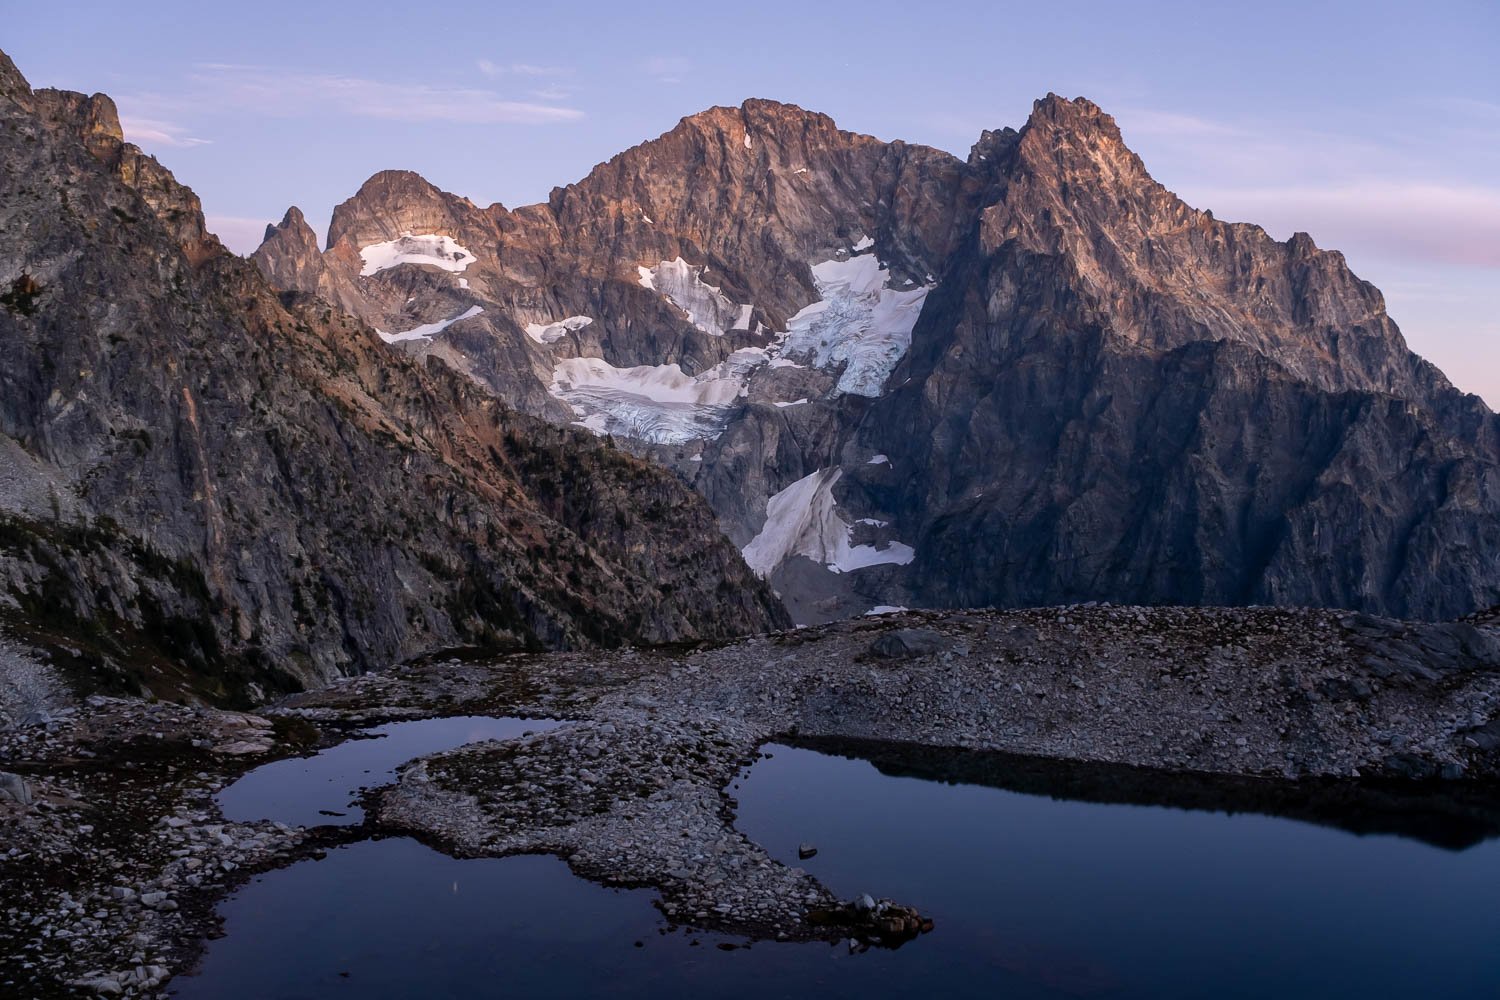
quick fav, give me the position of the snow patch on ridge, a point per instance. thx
(656, 403)
(858, 322)
(429, 330)
(802, 520)
(706, 306)
(433, 249)
(551, 333)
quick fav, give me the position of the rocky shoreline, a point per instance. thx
(115, 853)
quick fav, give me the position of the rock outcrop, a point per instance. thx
(220, 490)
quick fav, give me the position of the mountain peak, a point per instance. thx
(293, 225)
(389, 203)
(761, 108)
(754, 114)
(1054, 113)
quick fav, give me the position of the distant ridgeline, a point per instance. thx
(902, 379)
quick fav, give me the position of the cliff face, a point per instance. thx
(222, 489)
(902, 378)
(1122, 398)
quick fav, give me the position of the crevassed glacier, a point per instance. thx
(858, 322)
(656, 403)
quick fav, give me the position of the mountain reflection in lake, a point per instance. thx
(1043, 880)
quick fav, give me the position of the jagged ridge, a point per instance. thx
(1108, 395)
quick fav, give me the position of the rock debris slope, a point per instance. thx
(1032, 377)
(222, 490)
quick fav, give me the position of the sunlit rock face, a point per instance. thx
(1033, 376)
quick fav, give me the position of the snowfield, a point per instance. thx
(430, 330)
(433, 249)
(707, 307)
(802, 520)
(858, 322)
(551, 333)
(656, 403)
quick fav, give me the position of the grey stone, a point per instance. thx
(14, 788)
(908, 642)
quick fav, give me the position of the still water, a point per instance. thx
(1044, 882)
(321, 789)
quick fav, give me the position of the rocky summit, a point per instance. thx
(903, 379)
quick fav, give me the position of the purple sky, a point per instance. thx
(1374, 126)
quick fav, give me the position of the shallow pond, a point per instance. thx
(321, 789)
(1033, 895)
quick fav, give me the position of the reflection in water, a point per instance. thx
(320, 790)
(1442, 813)
(1043, 884)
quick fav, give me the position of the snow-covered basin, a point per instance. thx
(319, 790)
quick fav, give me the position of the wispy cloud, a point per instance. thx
(1149, 121)
(1415, 220)
(217, 87)
(667, 69)
(155, 132)
(1372, 191)
(493, 69)
(289, 93)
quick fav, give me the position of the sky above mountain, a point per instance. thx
(1374, 126)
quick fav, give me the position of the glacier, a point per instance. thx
(803, 520)
(551, 333)
(433, 249)
(655, 403)
(706, 306)
(429, 330)
(857, 322)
